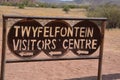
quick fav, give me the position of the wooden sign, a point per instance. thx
(27, 38)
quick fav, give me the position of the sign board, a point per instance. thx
(27, 38)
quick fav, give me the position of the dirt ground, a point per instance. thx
(68, 70)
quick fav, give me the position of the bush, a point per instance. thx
(84, 6)
(6, 3)
(54, 6)
(66, 9)
(112, 12)
(21, 6)
(26, 2)
(73, 6)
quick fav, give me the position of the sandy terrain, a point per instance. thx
(64, 70)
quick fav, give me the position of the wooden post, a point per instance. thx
(101, 51)
(3, 50)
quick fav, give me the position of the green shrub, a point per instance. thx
(21, 6)
(26, 2)
(66, 9)
(84, 6)
(112, 12)
(6, 3)
(73, 6)
(54, 6)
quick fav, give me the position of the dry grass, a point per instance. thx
(41, 11)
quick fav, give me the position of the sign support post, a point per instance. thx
(101, 51)
(3, 50)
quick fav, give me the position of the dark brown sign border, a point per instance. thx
(3, 55)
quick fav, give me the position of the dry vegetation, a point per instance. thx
(41, 11)
(66, 70)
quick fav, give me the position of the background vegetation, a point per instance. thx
(110, 11)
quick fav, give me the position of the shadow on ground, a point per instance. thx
(105, 77)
